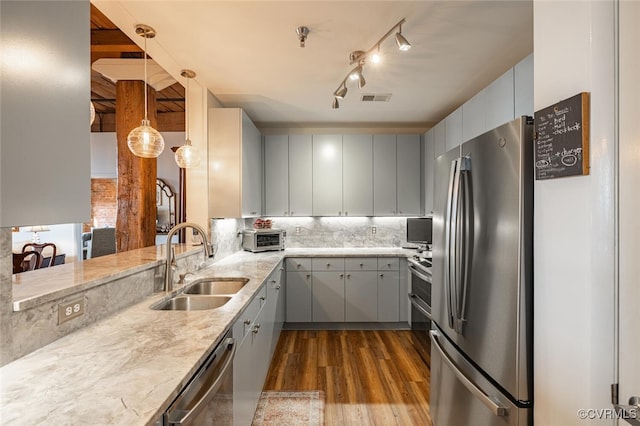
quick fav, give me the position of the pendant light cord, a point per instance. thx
(145, 80)
(186, 111)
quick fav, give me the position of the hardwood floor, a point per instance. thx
(368, 377)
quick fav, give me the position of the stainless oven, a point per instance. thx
(420, 298)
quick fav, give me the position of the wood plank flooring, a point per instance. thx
(373, 377)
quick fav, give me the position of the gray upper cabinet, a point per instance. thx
(235, 166)
(453, 129)
(428, 165)
(500, 101)
(473, 116)
(357, 181)
(300, 175)
(439, 140)
(276, 175)
(408, 169)
(327, 175)
(523, 77)
(44, 129)
(384, 175)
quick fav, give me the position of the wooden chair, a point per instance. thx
(40, 249)
(26, 261)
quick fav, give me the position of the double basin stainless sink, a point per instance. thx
(203, 294)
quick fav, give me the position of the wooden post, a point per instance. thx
(136, 196)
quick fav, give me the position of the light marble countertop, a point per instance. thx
(126, 369)
(43, 285)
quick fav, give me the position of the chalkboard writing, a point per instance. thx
(562, 138)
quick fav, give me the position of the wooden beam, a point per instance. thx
(112, 41)
(136, 219)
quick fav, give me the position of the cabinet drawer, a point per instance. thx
(243, 324)
(298, 264)
(361, 264)
(327, 264)
(388, 264)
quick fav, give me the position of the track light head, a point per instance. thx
(341, 92)
(335, 104)
(361, 81)
(402, 42)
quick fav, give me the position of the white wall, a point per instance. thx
(573, 221)
(104, 157)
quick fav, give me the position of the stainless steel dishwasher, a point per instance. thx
(208, 397)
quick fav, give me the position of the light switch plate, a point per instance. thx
(70, 310)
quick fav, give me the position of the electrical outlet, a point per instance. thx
(374, 229)
(297, 230)
(70, 310)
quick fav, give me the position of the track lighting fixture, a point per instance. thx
(360, 58)
(145, 141)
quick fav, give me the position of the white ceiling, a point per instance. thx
(247, 53)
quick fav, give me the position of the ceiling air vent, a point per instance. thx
(376, 98)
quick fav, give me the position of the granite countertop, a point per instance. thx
(126, 369)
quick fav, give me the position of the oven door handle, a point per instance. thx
(413, 298)
(419, 274)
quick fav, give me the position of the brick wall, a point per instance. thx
(103, 203)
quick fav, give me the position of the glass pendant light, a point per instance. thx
(92, 113)
(187, 155)
(145, 141)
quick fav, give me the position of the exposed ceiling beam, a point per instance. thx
(112, 41)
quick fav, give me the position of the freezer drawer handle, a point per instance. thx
(496, 408)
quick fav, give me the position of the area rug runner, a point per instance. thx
(290, 409)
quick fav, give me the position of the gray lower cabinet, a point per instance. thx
(298, 294)
(330, 289)
(328, 296)
(257, 331)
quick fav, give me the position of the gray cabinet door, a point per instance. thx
(384, 175)
(523, 84)
(388, 296)
(299, 296)
(409, 190)
(453, 129)
(327, 175)
(36, 137)
(357, 182)
(300, 175)
(500, 102)
(276, 175)
(251, 168)
(439, 142)
(428, 172)
(328, 296)
(361, 296)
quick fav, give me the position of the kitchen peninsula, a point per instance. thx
(127, 368)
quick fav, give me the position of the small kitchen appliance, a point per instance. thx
(256, 240)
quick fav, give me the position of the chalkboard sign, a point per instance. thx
(562, 138)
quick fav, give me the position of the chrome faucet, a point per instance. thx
(208, 251)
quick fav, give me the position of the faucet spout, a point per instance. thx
(207, 252)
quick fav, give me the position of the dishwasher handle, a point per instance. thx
(186, 416)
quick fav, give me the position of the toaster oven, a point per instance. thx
(263, 239)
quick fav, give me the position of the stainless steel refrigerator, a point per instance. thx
(482, 301)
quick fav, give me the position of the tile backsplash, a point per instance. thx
(305, 232)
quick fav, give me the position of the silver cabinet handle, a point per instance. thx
(495, 407)
(290, 213)
(328, 265)
(273, 281)
(341, 275)
(247, 322)
(346, 213)
(339, 213)
(277, 287)
(256, 328)
(381, 275)
(361, 265)
(308, 275)
(262, 298)
(348, 275)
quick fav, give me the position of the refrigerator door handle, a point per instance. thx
(450, 251)
(466, 198)
(495, 407)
